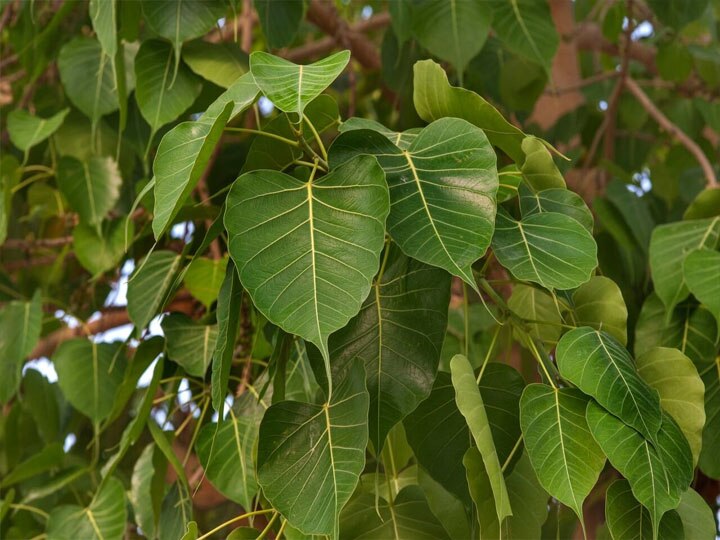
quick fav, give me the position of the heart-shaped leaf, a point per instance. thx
(534, 304)
(91, 187)
(188, 343)
(548, 248)
(306, 252)
(99, 253)
(291, 86)
(538, 168)
(627, 518)
(701, 270)
(600, 305)
(310, 456)
(26, 130)
(599, 366)
(442, 189)
(204, 277)
(220, 63)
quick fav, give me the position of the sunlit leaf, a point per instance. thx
(600, 305)
(204, 277)
(26, 130)
(220, 63)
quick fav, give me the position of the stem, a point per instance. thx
(233, 520)
(489, 353)
(281, 530)
(264, 134)
(28, 181)
(33, 509)
(38, 168)
(512, 453)
(266, 530)
(540, 361)
(316, 135)
(306, 163)
(466, 320)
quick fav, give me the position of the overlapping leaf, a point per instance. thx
(710, 374)
(149, 286)
(600, 305)
(280, 20)
(21, 323)
(220, 63)
(696, 516)
(537, 166)
(559, 200)
(91, 187)
(26, 130)
(701, 270)
(188, 343)
(535, 305)
(204, 278)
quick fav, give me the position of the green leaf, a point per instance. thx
(453, 30)
(103, 14)
(710, 374)
(291, 86)
(551, 249)
(398, 335)
(409, 516)
(526, 28)
(280, 20)
(104, 519)
(470, 403)
(539, 169)
(448, 509)
(185, 151)
(559, 200)
(434, 98)
(696, 516)
(563, 453)
(50, 457)
(89, 375)
(707, 202)
(600, 366)
(147, 489)
(669, 245)
(91, 187)
(87, 77)
(533, 304)
(99, 253)
(149, 286)
(42, 400)
(227, 451)
(220, 63)
(161, 96)
(600, 305)
(627, 519)
(188, 343)
(681, 390)
(658, 473)
(21, 323)
(306, 252)
(204, 278)
(701, 270)
(26, 130)
(175, 513)
(676, 13)
(442, 190)
(323, 446)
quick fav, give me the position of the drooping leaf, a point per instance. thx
(599, 365)
(538, 168)
(103, 519)
(453, 30)
(442, 190)
(21, 323)
(448, 508)
(42, 400)
(91, 187)
(710, 374)
(220, 63)
(104, 20)
(564, 454)
(559, 200)
(176, 513)
(99, 253)
(188, 343)
(149, 286)
(533, 304)
(551, 249)
(470, 403)
(306, 252)
(185, 151)
(51, 456)
(280, 20)
(600, 305)
(398, 335)
(204, 278)
(323, 446)
(147, 489)
(161, 95)
(696, 516)
(26, 130)
(681, 390)
(669, 245)
(701, 269)
(434, 98)
(291, 86)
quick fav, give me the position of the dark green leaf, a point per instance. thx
(280, 20)
(188, 343)
(701, 270)
(558, 200)
(149, 286)
(21, 323)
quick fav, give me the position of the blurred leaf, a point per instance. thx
(220, 63)
(701, 270)
(21, 324)
(26, 130)
(280, 20)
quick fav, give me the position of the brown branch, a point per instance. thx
(26, 245)
(673, 130)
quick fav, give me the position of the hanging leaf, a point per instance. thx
(434, 98)
(399, 331)
(446, 507)
(539, 169)
(21, 323)
(701, 269)
(324, 446)
(669, 246)
(442, 191)
(280, 20)
(149, 286)
(161, 95)
(600, 305)
(559, 200)
(220, 63)
(533, 304)
(101, 252)
(188, 343)
(309, 263)
(551, 249)
(104, 21)
(204, 277)
(26, 130)
(91, 187)
(147, 489)
(291, 86)
(564, 454)
(185, 151)
(696, 516)
(599, 366)
(710, 374)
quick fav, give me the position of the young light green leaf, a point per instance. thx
(323, 446)
(21, 323)
(551, 249)
(681, 390)
(696, 516)
(600, 366)
(220, 63)
(701, 270)
(188, 343)
(291, 86)
(434, 98)
(104, 519)
(89, 375)
(600, 305)
(149, 286)
(538, 168)
(204, 278)
(26, 130)
(306, 252)
(669, 245)
(280, 20)
(99, 253)
(448, 508)
(161, 96)
(563, 453)
(534, 304)
(452, 30)
(560, 200)
(442, 190)
(470, 403)
(91, 187)
(185, 150)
